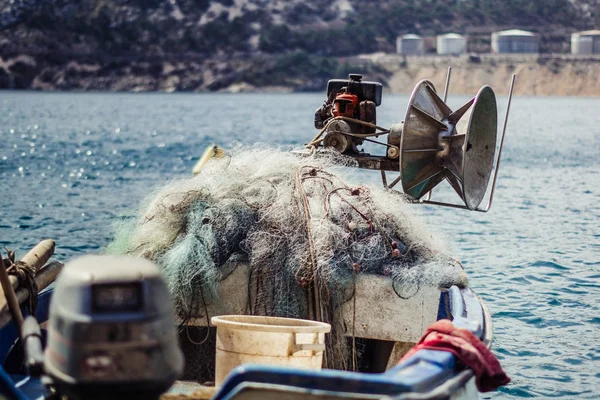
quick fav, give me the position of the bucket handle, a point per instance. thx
(316, 347)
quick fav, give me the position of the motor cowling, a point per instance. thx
(111, 332)
(345, 105)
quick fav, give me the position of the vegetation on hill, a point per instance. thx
(302, 37)
(334, 28)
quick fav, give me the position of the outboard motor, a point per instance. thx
(111, 332)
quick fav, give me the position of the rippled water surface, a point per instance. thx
(71, 163)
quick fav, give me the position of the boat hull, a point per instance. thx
(428, 373)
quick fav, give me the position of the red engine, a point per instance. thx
(345, 105)
(349, 102)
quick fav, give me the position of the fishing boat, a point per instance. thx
(110, 332)
(425, 374)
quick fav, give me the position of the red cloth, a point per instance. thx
(443, 335)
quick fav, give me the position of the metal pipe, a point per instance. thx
(383, 179)
(510, 94)
(438, 203)
(394, 182)
(447, 86)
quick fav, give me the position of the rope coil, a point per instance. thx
(25, 275)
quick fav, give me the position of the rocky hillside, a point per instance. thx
(325, 27)
(212, 45)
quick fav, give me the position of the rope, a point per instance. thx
(317, 138)
(311, 248)
(26, 276)
(355, 270)
(187, 331)
(307, 216)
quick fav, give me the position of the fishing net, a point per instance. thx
(303, 231)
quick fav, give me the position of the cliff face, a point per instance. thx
(287, 72)
(536, 76)
(545, 76)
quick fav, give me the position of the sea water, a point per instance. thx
(73, 163)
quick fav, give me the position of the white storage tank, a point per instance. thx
(451, 43)
(586, 42)
(514, 41)
(410, 45)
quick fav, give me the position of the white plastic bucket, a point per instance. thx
(289, 342)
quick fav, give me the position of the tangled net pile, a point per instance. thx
(299, 227)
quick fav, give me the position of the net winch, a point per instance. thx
(432, 144)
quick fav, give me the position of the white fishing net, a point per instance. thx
(295, 222)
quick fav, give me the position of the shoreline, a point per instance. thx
(538, 75)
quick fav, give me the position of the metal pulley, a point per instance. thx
(337, 136)
(436, 146)
(432, 144)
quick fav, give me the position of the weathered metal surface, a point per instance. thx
(376, 162)
(480, 147)
(395, 134)
(431, 145)
(438, 144)
(336, 137)
(499, 156)
(380, 312)
(421, 170)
